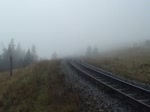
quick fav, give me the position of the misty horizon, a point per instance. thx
(68, 27)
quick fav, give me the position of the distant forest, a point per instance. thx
(20, 57)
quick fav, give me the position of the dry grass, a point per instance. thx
(37, 88)
(130, 63)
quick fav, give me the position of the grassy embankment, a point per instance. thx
(131, 63)
(37, 88)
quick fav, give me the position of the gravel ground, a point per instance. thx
(93, 99)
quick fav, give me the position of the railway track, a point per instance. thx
(137, 96)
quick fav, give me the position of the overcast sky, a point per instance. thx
(69, 26)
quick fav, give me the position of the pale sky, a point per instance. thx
(69, 26)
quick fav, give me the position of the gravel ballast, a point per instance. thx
(94, 99)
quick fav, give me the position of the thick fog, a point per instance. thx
(70, 26)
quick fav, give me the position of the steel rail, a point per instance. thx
(115, 78)
(82, 68)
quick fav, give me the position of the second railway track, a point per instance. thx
(137, 96)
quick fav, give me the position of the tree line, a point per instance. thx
(92, 52)
(20, 57)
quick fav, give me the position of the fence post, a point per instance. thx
(11, 66)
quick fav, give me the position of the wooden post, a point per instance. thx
(11, 66)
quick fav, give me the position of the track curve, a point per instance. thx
(137, 96)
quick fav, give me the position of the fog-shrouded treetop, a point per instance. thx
(70, 26)
(20, 57)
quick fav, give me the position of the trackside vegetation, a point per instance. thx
(39, 87)
(131, 63)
